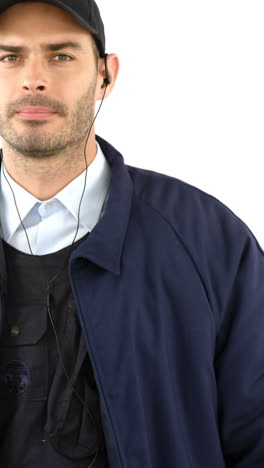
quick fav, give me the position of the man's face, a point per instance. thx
(64, 80)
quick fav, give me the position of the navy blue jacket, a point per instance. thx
(169, 292)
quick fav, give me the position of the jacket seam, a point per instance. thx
(188, 253)
(145, 172)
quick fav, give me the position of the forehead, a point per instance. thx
(38, 18)
(37, 25)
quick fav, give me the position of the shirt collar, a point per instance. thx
(97, 185)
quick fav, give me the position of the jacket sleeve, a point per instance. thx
(239, 363)
(230, 263)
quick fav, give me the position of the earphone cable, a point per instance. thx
(17, 208)
(85, 183)
(73, 386)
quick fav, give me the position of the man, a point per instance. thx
(132, 305)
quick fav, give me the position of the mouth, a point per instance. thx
(33, 115)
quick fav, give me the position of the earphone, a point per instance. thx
(3, 280)
(107, 80)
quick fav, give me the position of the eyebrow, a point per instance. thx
(45, 47)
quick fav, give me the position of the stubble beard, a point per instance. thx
(44, 143)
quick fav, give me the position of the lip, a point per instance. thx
(35, 113)
(35, 110)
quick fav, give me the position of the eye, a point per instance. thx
(4, 59)
(62, 55)
(7, 56)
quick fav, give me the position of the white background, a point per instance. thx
(189, 99)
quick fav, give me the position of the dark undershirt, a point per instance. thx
(42, 422)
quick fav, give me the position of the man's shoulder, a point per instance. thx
(186, 207)
(196, 217)
(170, 193)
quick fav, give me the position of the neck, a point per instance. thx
(45, 177)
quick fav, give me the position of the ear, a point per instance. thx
(113, 68)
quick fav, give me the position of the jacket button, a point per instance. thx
(14, 330)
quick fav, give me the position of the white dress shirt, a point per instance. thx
(51, 225)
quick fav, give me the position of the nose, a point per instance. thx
(34, 76)
(32, 86)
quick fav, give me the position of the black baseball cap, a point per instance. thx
(86, 12)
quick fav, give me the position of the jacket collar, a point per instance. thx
(105, 243)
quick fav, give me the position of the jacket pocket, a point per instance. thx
(23, 353)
